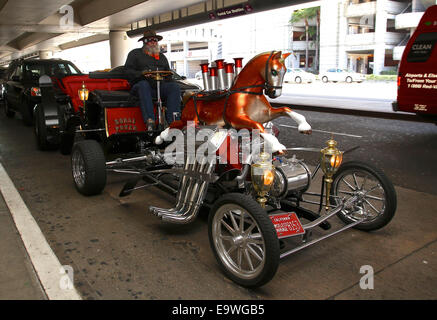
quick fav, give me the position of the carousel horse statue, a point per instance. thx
(244, 104)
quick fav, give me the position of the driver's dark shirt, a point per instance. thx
(138, 61)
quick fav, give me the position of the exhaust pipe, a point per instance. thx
(193, 185)
(238, 65)
(213, 78)
(205, 76)
(229, 69)
(221, 74)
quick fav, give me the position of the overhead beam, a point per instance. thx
(84, 41)
(211, 13)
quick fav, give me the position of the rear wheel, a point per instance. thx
(325, 79)
(88, 167)
(348, 79)
(243, 240)
(376, 196)
(40, 130)
(298, 80)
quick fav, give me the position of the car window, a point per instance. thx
(331, 70)
(422, 47)
(33, 71)
(17, 72)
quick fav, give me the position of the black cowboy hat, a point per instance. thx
(150, 34)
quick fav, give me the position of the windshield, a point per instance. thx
(33, 71)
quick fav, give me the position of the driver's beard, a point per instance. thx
(151, 49)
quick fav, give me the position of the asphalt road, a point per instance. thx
(120, 251)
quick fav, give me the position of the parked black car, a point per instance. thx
(21, 89)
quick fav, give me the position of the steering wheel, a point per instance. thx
(157, 75)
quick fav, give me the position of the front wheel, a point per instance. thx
(298, 80)
(243, 240)
(376, 196)
(325, 79)
(88, 166)
(348, 79)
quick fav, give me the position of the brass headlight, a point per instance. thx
(330, 161)
(83, 92)
(263, 175)
(330, 158)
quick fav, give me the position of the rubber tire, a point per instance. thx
(40, 130)
(267, 229)
(8, 112)
(325, 79)
(94, 167)
(348, 79)
(389, 190)
(298, 81)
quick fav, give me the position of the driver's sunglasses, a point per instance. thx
(152, 40)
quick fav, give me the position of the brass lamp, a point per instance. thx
(263, 175)
(83, 93)
(330, 161)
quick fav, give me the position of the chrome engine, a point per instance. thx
(291, 176)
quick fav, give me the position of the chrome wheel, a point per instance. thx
(370, 194)
(239, 242)
(78, 168)
(376, 196)
(243, 240)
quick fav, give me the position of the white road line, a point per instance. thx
(44, 260)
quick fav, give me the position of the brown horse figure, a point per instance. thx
(244, 104)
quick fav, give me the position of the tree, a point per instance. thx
(306, 15)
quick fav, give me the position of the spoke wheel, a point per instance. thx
(243, 240)
(88, 166)
(376, 196)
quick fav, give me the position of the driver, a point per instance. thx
(149, 58)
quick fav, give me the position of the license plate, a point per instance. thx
(287, 225)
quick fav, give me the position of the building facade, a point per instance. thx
(367, 36)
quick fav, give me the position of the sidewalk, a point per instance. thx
(18, 280)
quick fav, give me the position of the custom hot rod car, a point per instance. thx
(224, 155)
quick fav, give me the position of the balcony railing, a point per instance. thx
(408, 20)
(301, 45)
(393, 38)
(369, 8)
(360, 9)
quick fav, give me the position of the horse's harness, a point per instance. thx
(227, 94)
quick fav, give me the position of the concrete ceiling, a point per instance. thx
(29, 26)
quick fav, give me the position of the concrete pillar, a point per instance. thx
(186, 48)
(119, 45)
(380, 31)
(45, 54)
(169, 54)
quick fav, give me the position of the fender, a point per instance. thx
(48, 102)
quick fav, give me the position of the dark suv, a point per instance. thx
(21, 88)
